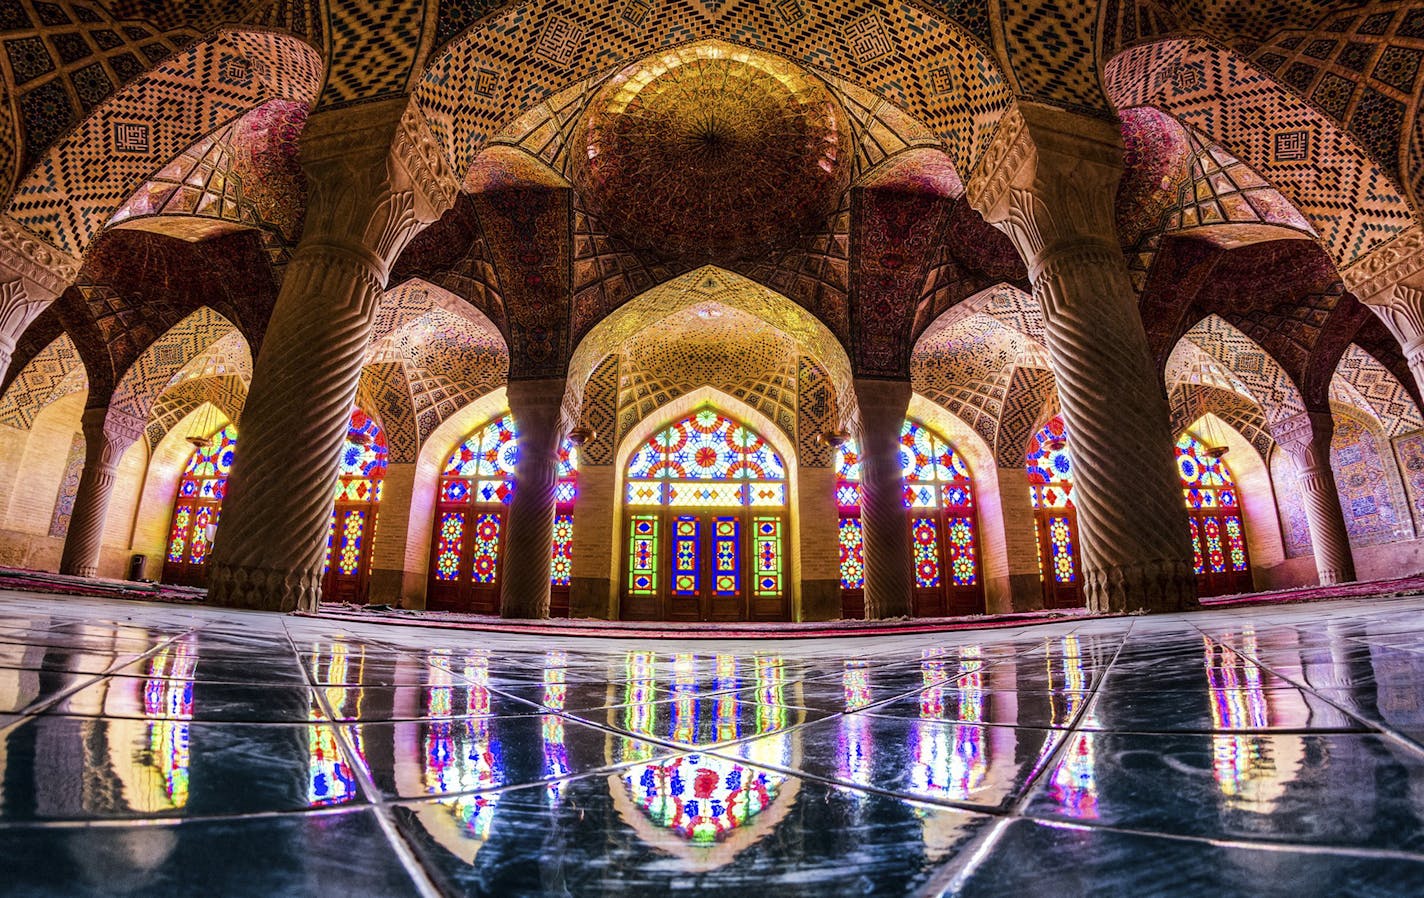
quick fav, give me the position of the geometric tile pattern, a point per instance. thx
(965, 367)
(246, 172)
(1189, 401)
(54, 372)
(373, 44)
(1031, 399)
(600, 412)
(61, 63)
(1367, 479)
(1362, 69)
(1250, 366)
(1363, 382)
(816, 413)
(493, 73)
(1351, 202)
(79, 181)
(1295, 529)
(1052, 49)
(154, 368)
(384, 391)
(709, 345)
(68, 488)
(225, 392)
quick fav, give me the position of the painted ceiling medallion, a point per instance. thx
(713, 153)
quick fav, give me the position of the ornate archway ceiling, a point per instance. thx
(1189, 401)
(709, 153)
(54, 371)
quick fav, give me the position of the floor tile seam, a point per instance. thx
(1249, 844)
(951, 877)
(39, 707)
(1378, 727)
(420, 877)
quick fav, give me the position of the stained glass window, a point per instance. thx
(1050, 466)
(480, 472)
(361, 471)
(716, 491)
(1213, 504)
(198, 506)
(939, 494)
(710, 460)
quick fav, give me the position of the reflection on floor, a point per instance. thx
(156, 749)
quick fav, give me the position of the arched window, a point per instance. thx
(476, 486)
(706, 524)
(944, 532)
(1050, 477)
(196, 509)
(1214, 512)
(347, 572)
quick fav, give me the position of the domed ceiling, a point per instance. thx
(713, 153)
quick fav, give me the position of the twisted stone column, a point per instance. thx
(32, 275)
(1390, 281)
(1049, 182)
(529, 529)
(1306, 440)
(889, 561)
(375, 177)
(107, 435)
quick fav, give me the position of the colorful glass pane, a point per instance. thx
(1197, 565)
(1197, 468)
(924, 534)
(214, 460)
(364, 454)
(848, 496)
(200, 543)
(852, 554)
(643, 555)
(709, 495)
(484, 547)
(726, 556)
(1236, 543)
(565, 491)
(1061, 550)
(766, 495)
(1049, 464)
(848, 461)
(561, 567)
(1211, 533)
(959, 539)
(643, 492)
(450, 539)
(706, 446)
(178, 534)
(353, 526)
(768, 554)
(686, 553)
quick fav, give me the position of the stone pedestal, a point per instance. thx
(1049, 182)
(1306, 440)
(375, 177)
(107, 435)
(889, 561)
(535, 406)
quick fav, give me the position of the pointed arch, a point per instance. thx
(54, 372)
(1242, 366)
(161, 363)
(1360, 380)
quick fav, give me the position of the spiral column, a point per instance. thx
(375, 177)
(1049, 181)
(107, 435)
(889, 562)
(1306, 441)
(529, 530)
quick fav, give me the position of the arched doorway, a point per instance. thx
(346, 575)
(476, 486)
(196, 509)
(705, 512)
(1050, 477)
(1214, 512)
(944, 528)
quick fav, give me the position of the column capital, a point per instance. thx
(377, 175)
(1305, 437)
(44, 270)
(1375, 276)
(1049, 181)
(110, 432)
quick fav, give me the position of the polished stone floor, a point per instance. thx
(151, 749)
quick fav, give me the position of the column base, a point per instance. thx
(1157, 586)
(262, 589)
(80, 570)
